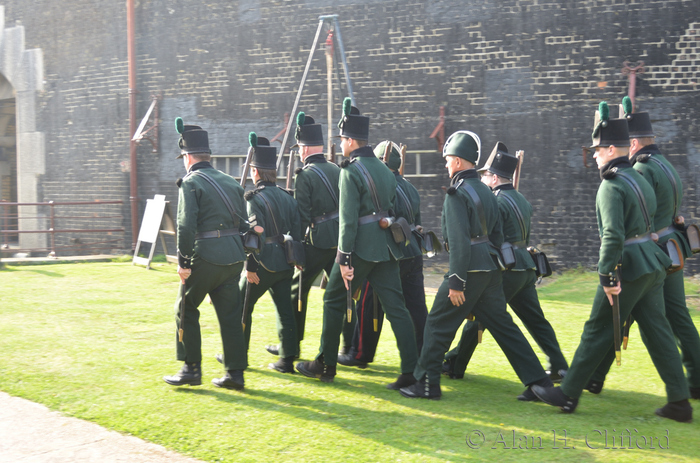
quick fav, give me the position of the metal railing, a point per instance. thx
(10, 229)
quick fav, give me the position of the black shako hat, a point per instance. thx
(308, 133)
(352, 124)
(264, 156)
(638, 124)
(500, 162)
(608, 131)
(192, 139)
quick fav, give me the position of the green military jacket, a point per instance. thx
(318, 202)
(201, 209)
(368, 241)
(407, 205)
(620, 218)
(515, 231)
(668, 202)
(461, 223)
(285, 214)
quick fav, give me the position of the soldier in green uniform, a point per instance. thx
(407, 205)
(625, 208)
(276, 211)
(519, 281)
(316, 192)
(366, 250)
(647, 159)
(210, 259)
(471, 226)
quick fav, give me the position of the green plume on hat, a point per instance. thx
(604, 112)
(301, 117)
(179, 125)
(253, 139)
(627, 105)
(347, 105)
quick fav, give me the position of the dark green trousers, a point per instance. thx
(221, 283)
(643, 298)
(317, 260)
(484, 299)
(683, 329)
(279, 285)
(384, 278)
(520, 293)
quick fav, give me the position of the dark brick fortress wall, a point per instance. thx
(528, 73)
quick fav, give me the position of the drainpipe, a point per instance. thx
(133, 187)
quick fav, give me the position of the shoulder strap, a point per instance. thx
(518, 214)
(222, 194)
(405, 199)
(671, 179)
(640, 197)
(325, 181)
(269, 209)
(370, 183)
(479, 206)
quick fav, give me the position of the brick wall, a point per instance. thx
(529, 73)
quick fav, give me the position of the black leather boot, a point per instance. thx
(680, 411)
(317, 369)
(232, 380)
(422, 389)
(283, 365)
(554, 396)
(190, 374)
(404, 380)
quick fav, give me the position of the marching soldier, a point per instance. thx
(210, 259)
(366, 250)
(625, 207)
(274, 209)
(316, 192)
(471, 226)
(519, 281)
(369, 319)
(647, 159)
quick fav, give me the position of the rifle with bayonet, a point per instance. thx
(253, 141)
(616, 320)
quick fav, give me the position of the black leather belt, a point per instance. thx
(638, 239)
(480, 240)
(325, 217)
(216, 234)
(666, 231)
(364, 220)
(274, 239)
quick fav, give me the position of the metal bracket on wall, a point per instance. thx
(141, 134)
(631, 72)
(321, 21)
(439, 131)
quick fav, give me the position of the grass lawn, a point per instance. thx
(94, 340)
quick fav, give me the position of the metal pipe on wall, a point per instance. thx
(133, 179)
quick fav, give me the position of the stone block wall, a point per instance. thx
(529, 73)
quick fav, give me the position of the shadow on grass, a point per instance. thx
(476, 415)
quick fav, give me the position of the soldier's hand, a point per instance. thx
(611, 291)
(184, 273)
(680, 220)
(457, 297)
(347, 273)
(252, 277)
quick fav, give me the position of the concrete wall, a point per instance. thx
(529, 73)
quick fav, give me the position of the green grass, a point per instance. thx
(93, 341)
